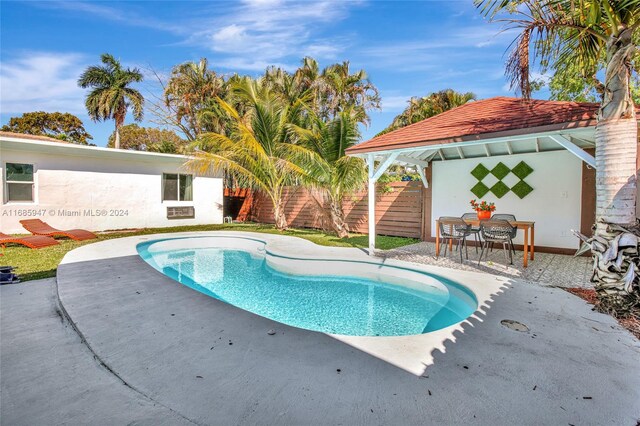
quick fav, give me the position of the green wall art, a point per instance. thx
(501, 171)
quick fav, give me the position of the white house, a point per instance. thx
(99, 189)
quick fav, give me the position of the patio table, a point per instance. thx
(527, 226)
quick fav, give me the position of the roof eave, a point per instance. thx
(92, 151)
(461, 140)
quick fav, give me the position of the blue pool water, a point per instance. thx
(331, 304)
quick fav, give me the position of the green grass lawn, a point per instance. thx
(42, 263)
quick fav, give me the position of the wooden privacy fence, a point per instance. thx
(398, 213)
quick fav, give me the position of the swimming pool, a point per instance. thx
(353, 298)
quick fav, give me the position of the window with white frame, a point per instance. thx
(19, 182)
(177, 187)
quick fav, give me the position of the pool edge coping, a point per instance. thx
(406, 352)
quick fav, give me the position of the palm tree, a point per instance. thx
(190, 94)
(287, 86)
(428, 106)
(111, 95)
(338, 174)
(346, 90)
(591, 34)
(257, 151)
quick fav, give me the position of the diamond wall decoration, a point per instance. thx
(480, 189)
(521, 189)
(499, 189)
(500, 171)
(480, 172)
(522, 170)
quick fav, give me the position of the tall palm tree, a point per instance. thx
(590, 34)
(285, 85)
(111, 95)
(326, 93)
(307, 77)
(428, 106)
(338, 174)
(257, 151)
(190, 94)
(347, 90)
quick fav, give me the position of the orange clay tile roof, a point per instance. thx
(485, 119)
(31, 137)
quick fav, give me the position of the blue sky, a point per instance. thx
(408, 48)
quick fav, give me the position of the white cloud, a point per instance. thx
(322, 50)
(272, 30)
(394, 103)
(436, 53)
(127, 16)
(42, 81)
(251, 32)
(230, 34)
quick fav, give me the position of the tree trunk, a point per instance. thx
(616, 153)
(279, 215)
(337, 219)
(116, 144)
(616, 265)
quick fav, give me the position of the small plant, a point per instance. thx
(483, 206)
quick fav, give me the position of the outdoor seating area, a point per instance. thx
(499, 229)
(549, 269)
(34, 241)
(38, 227)
(44, 235)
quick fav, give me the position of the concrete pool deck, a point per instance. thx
(49, 377)
(211, 363)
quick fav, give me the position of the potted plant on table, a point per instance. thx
(483, 209)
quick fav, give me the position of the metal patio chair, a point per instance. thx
(508, 218)
(473, 230)
(456, 230)
(497, 231)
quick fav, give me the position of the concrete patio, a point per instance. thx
(557, 270)
(166, 353)
(49, 376)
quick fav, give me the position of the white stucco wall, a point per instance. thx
(554, 204)
(127, 188)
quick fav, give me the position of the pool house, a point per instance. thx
(534, 160)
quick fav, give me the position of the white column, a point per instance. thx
(371, 195)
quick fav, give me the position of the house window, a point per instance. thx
(19, 182)
(176, 187)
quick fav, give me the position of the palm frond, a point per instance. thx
(111, 95)
(559, 33)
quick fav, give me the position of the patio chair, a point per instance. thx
(508, 218)
(497, 231)
(38, 227)
(473, 230)
(32, 241)
(456, 230)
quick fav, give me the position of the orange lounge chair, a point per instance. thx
(38, 227)
(33, 241)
